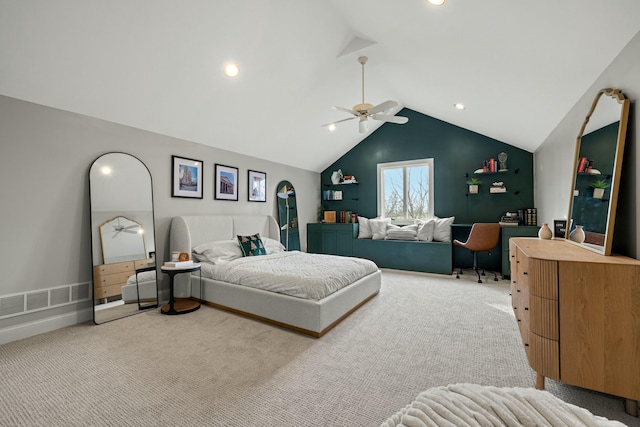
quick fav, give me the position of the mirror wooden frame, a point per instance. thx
(615, 94)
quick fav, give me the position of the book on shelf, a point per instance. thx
(497, 190)
(509, 223)
(179, 264)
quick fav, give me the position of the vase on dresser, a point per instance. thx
(577, 235)
(545, 232)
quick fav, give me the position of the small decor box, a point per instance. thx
(329, 216)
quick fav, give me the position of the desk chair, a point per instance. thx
(483, 237)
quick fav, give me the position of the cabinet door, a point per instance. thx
(329, 242)
(314, 239)
(344, 241)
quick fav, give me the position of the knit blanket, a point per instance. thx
(474, 405)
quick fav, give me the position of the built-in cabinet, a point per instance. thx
(333, 239)
(507, 233)
(577, 312)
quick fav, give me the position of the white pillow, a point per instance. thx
(379, 228)
(364, 229)
(217, 252)
(442, 230)
(426, 229)
(408, 232)
(272, 246)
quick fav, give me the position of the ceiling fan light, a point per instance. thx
(332, 127)
(363, 125)
(436, 2)
(459, 106)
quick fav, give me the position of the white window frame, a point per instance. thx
(405, 164)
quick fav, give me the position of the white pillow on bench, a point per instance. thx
(408, 232)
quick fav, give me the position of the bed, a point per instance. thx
(310, 316)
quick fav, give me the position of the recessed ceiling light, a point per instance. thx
(436, 2)
(106, 170)
(332, 127)
(231, 69)
(459, 106)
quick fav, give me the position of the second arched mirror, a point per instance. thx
(288, 216)
(596, 178)
(123, 238)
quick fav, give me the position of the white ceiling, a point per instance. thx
(157, 65)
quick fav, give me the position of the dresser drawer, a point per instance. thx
(119, 267)
(544, 356)
(543, 318)
(106, 291)
(112, 279)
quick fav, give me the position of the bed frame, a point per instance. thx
(310, 317)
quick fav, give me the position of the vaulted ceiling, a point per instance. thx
(157, 65)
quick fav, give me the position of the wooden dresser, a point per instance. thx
(579, 315)
(108, 279)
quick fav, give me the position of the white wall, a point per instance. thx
(553, 161)
(45, 155)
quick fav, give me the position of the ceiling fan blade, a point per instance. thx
(386, 105)
(348, 110)
(391, 119)
(338, 121)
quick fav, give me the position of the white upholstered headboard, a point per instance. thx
(189, 231)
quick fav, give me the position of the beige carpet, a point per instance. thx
(212, 368)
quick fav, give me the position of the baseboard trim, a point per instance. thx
(29, 329)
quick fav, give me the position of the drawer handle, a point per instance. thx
(517, 290)
(519, 320)
(526, 308)
(525, 273)
(526, 344)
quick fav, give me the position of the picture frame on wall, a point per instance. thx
(186, 177)
(226, 182)
(257, 186)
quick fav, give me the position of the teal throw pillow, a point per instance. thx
(251, 245)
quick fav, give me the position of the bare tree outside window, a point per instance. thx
(406, 189)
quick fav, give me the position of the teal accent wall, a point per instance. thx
(456, 152)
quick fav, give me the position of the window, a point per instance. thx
(405, 189)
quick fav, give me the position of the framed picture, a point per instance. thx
(226, 183)
(559, 228)
(257, 186)
(186, 178)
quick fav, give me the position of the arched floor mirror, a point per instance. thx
(288, 216)
(596, 174)
(122, 236)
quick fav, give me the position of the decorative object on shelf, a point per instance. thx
(531, 216)
(257, 186)
(545, 232)
(329, 216)
(577, 235)
(598, 188)
(473, 183)
(186, 177)
(502, 158)
(510, 218)
(184, 256)
(498, 187)
(349, 179)
(336, 177)
(226, 182)
(559, 227)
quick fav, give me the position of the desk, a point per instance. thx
(179, 305)
(499, 258)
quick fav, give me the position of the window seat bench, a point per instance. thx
(342, 239)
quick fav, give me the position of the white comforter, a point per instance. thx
(298, 274)
(473, 405)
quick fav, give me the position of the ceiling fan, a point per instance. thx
(363, 111)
